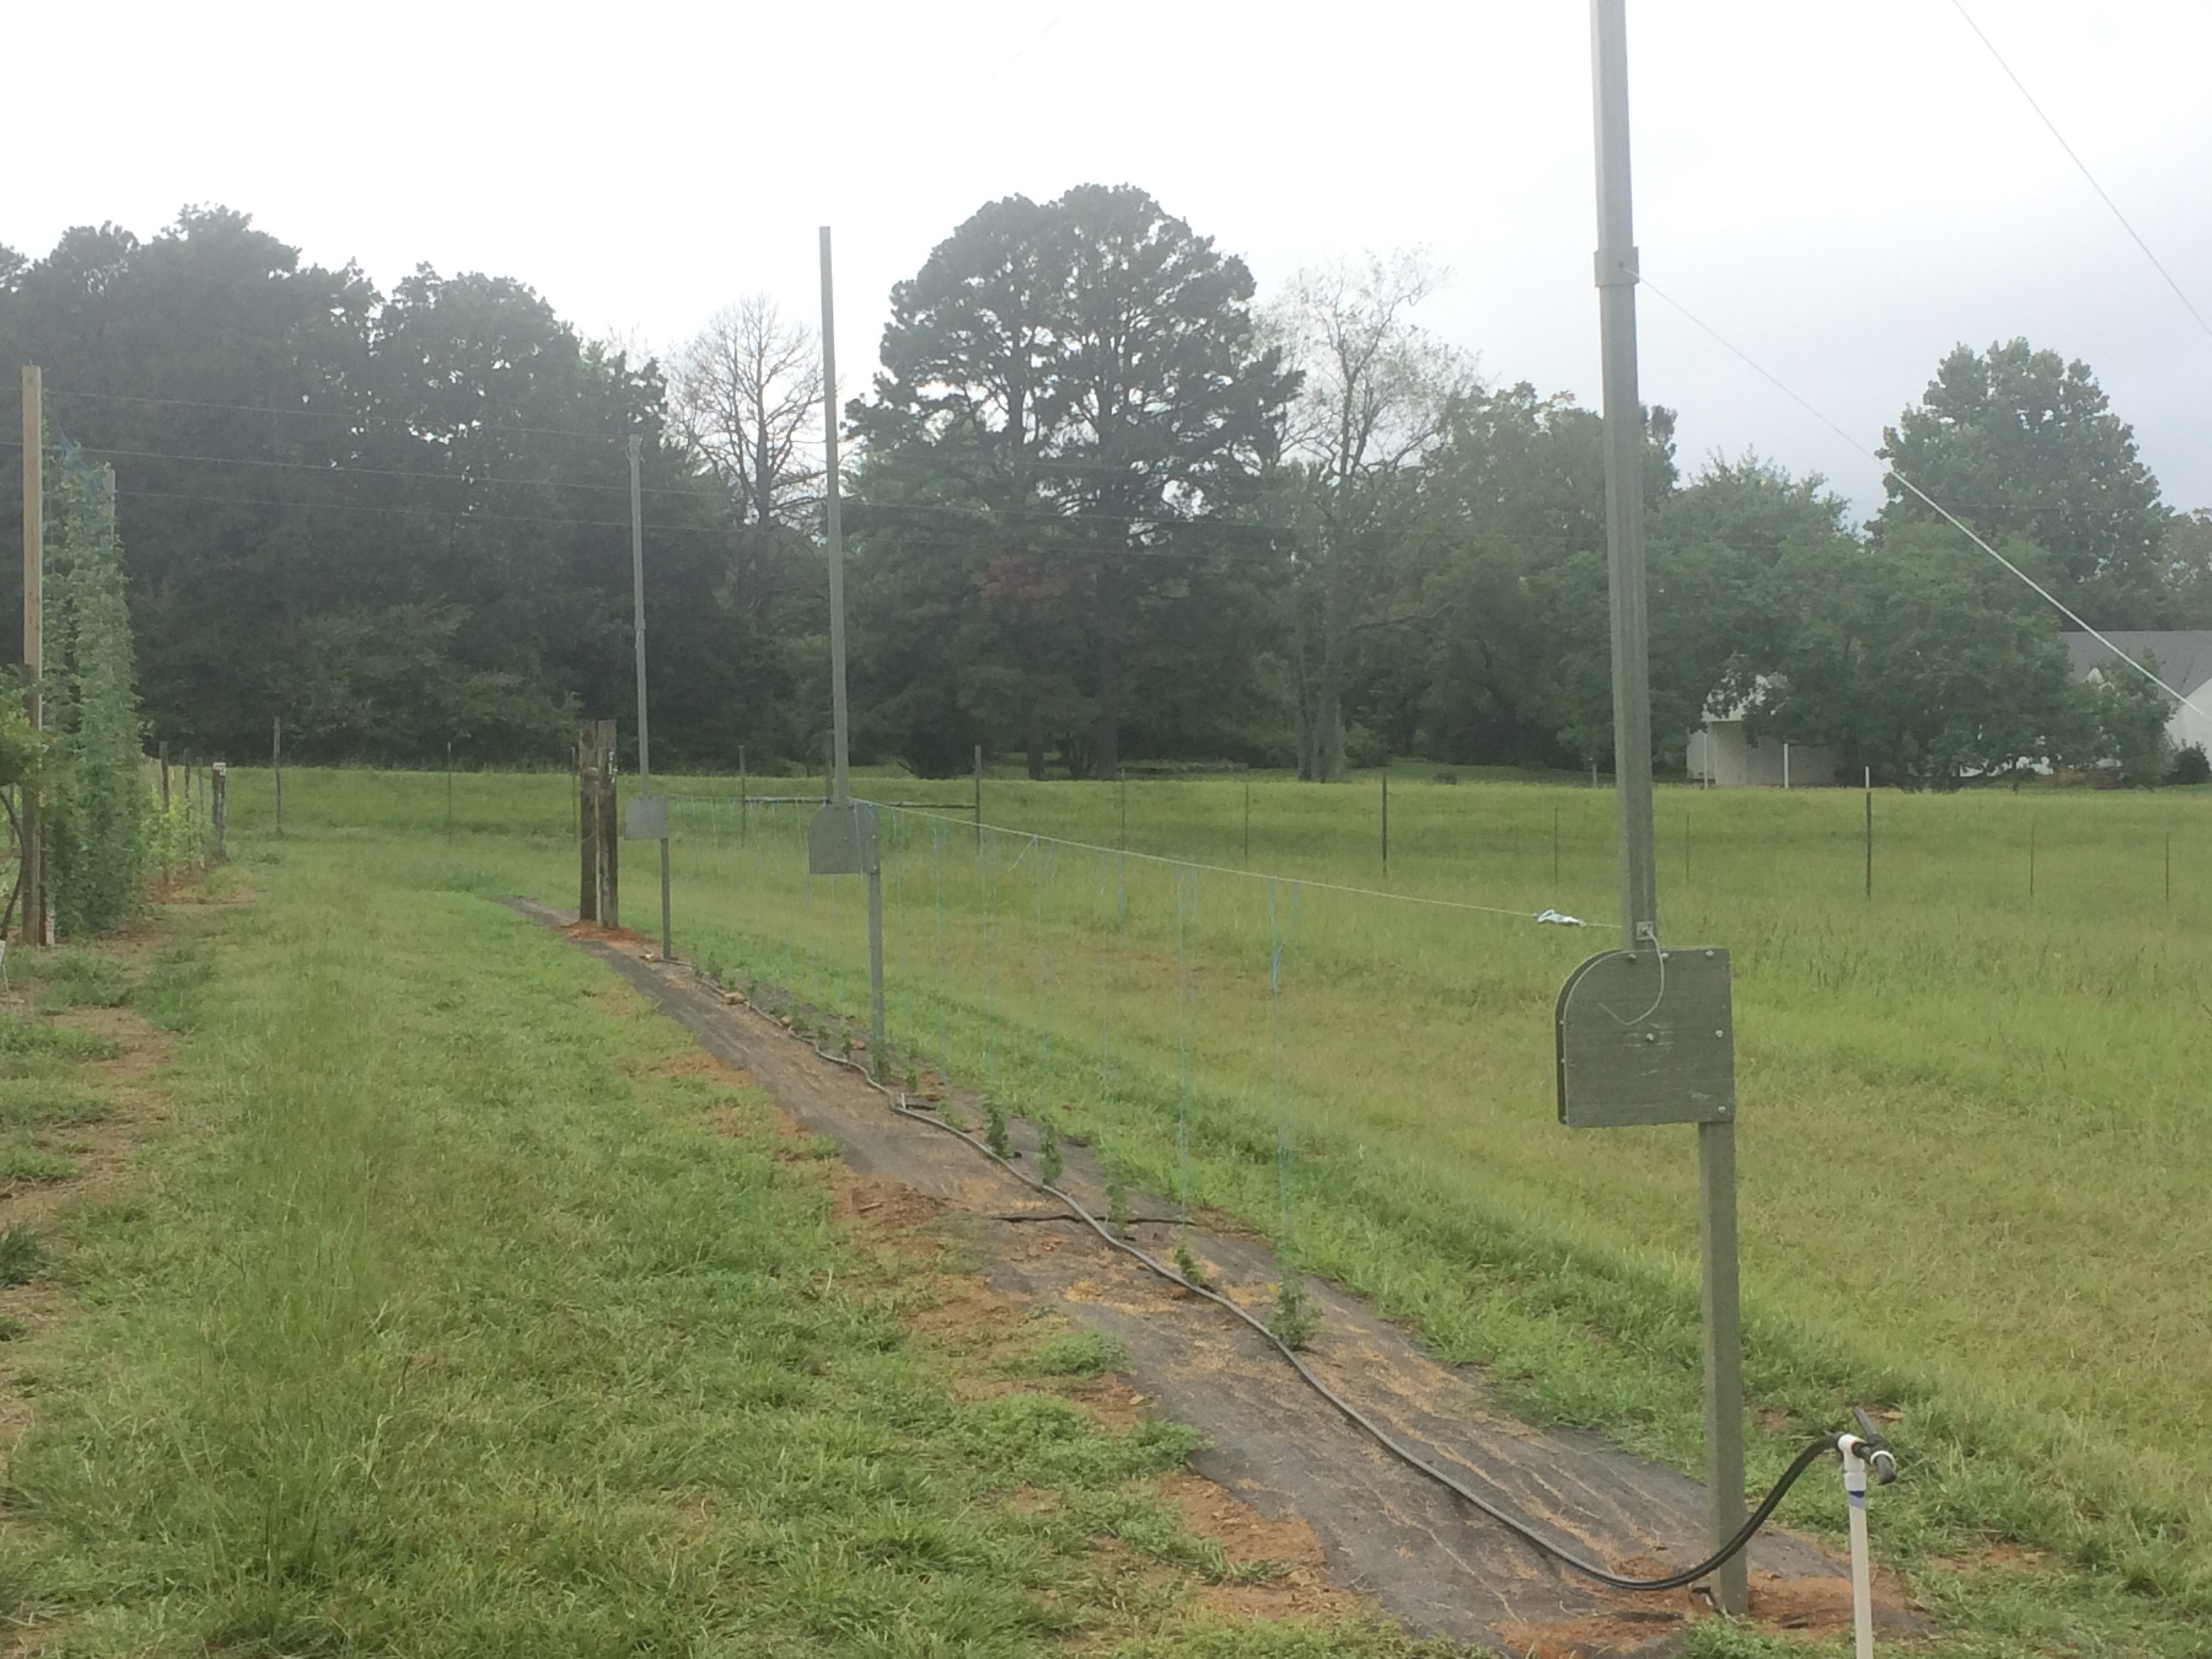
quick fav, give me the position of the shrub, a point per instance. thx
(2191, 765)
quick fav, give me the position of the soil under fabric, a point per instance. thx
(1419, 1554)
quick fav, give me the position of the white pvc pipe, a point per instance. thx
(1855, 1490)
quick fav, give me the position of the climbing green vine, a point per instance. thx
(100, 810)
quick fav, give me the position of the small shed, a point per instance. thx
(1722, 755)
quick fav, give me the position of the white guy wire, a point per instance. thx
(2072, 155)
(1032, 837)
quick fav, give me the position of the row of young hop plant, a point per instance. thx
(1144, 1008)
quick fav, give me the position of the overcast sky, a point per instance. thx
(1845, 188)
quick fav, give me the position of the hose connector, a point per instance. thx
(1870, 1448)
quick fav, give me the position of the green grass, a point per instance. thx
(446, 1321)
(73, 979)
(1075, 1353)
(1973, 1149)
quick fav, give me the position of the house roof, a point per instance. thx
(2183, 658)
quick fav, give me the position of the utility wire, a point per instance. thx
(340, 469)
(263, 410)
(417, 512)
(1226, 870)
(2074, 155)
(1933, 505)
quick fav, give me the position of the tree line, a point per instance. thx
(1103, 502)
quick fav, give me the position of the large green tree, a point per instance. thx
(2020, 442)
(1073, 405)
(395, 520)
(1508, 659)
(1377, 390)
(1918, 656)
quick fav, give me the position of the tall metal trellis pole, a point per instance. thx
(1632, 726)
(644, 744)
(841, 789)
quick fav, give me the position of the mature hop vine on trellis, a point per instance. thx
(99, 812)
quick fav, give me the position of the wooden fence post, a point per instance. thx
(587, 821)
(218, 775)
(610, 832)
(276, 768)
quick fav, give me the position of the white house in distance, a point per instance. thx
(1724, 755)
(2183, 660)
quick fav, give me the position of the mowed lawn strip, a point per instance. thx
(460, 1314)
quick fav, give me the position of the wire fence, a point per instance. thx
(1172, 1012)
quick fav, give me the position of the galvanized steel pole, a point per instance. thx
(637, 597)
(1631, 727)
(841, 789)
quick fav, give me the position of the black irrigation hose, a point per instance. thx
(1520, 1528)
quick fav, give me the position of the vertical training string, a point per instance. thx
(1185, 893)
(1282, 945)
(990, 981)
(898, 917)
(784, 901)
(944, 977)
(1043, 877)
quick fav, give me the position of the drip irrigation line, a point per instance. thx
(1055, 1215)
(1033, 837)
(1519, 1525)
(1929, 501)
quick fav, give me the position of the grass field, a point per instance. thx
(1973, 1144)
(450, 1308)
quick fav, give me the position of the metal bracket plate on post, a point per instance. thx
(645, 817)
(1647, 1037)
(841, 841)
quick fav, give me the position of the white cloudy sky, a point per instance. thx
(1845, 187)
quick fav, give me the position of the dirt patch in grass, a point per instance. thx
(1298, 1588)
(1997, 1558)
(1278, 1568)
(98, 1148)
(697, 1062)
(221, 884)
(592, 930)
(93, 1154)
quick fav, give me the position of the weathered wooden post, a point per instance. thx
(165, 780)
(587, 821)
(218, 775)
(610, 832)
(276, 768)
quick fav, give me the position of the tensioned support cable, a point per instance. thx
(1032, 837)
(2082, 167)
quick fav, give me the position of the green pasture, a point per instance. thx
(1973, 1143)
